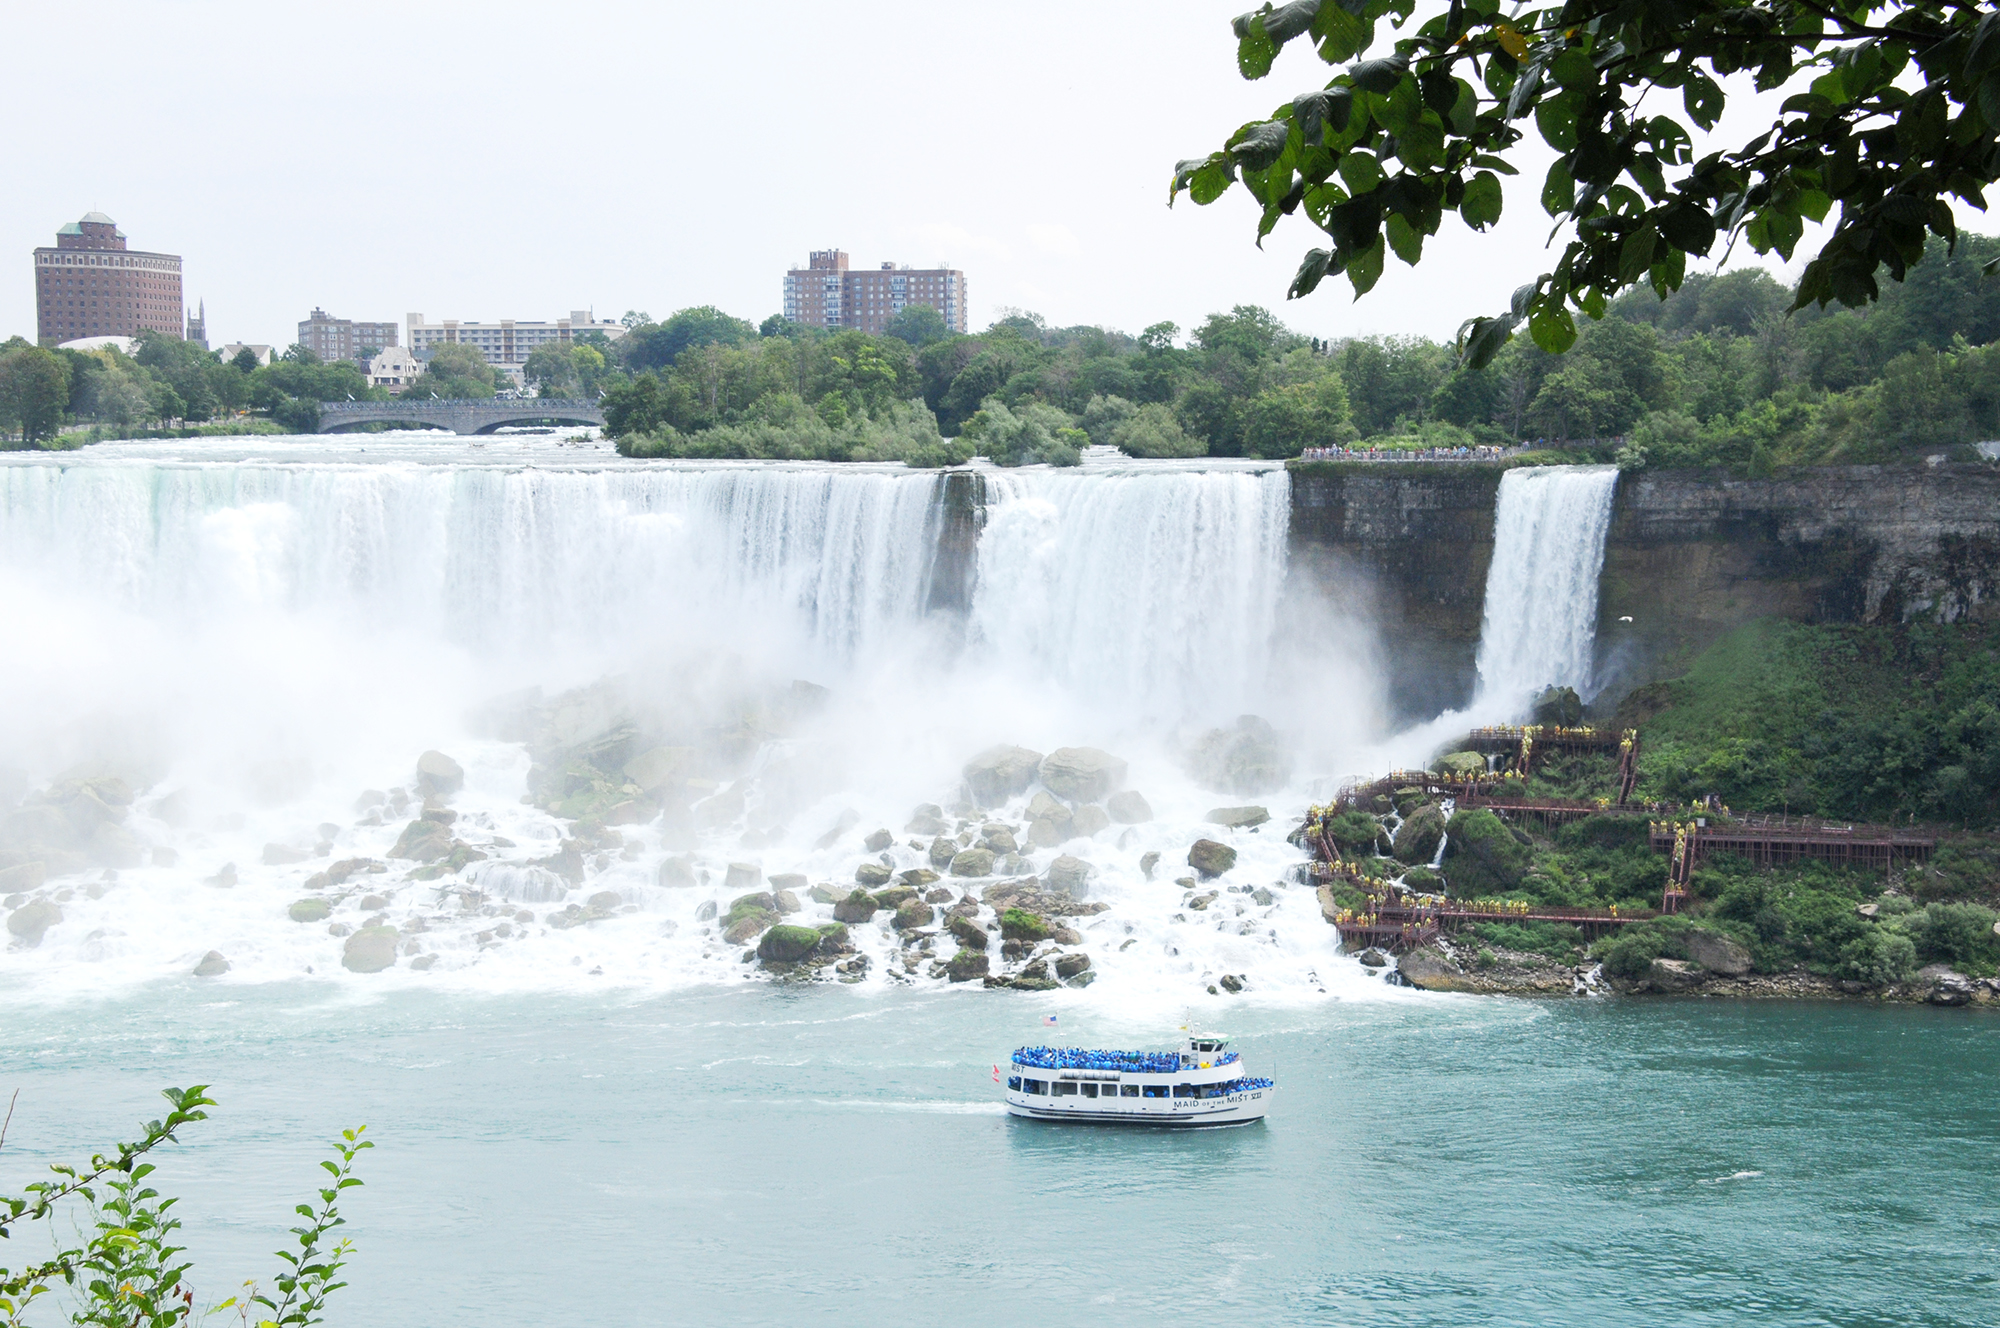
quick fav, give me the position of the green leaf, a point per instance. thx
(1480, 339)
(1687, 227)
(1558, 191)
(1480, 207)
(1573, 69)
(1256, 146)
(1360, 172)
(1404, 238)
(1556, 118)
(1421, 146)
(1205, 180)
(1381, 76)
(1342, 35)
(1312, 271)
(1551, 326)
(1254, 48)
(1464, 113)
(1365, 269)
(1636, 254)
(1989, 99)
(1703, 98)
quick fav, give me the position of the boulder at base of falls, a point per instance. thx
(1081, 774)
(792, 881)
(369, 950)
(1000, 773)
(1087, 821)
(966, 965)
(999, 838)
(25, 876)
(1559, 705)
(30, 922)
(1247, 760)
(969, 933)
(747, 927)
(423, 841)
(927, 820)
(654, 769)
(1716, 953)
(917, 878)
(1071, 876)
(438, 776)
(744, 876)
(1461, 764)
(972, 862)
(1373, 958)
(1069, 965)
(872, 874)
(914, 915)
(857, 907)
(1672, 975)
(787, 944)
(1238, 818)
(942, 851)
(1147, 861)
(1417, 838)
(1430, 970)
(310, 910)
(1018, 924)
(1483, 856)
(878, 840)
(1128, 807)
(212, 965)
(1210, 858)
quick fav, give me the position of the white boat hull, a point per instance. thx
(1172, 1113)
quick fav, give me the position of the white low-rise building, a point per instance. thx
(233, 349)
(394, 367)
(507, 344)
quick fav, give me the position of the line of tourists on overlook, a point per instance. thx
(1476, 452)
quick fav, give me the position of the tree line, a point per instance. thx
(1720, 372)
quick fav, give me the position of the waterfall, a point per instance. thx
(1540, 622)
(1154, 588)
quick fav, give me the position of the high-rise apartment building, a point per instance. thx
(826, 293)
(333, 338)
(90, 285)
(507, 343)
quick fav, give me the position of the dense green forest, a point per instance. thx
(1721, 372)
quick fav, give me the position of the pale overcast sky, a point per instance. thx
(502, 160)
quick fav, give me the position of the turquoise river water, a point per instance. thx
(765, 1155)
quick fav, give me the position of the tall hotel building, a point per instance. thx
(825, 293)
(91, 285)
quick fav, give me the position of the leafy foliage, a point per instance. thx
(1899, 116)
(127, 1273)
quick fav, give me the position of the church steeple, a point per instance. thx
(197, 326)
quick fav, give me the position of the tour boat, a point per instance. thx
(1201, 1084)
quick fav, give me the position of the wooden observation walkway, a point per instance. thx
(1396, 919)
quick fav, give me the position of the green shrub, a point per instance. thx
(1955, 933)
(1482, 856)
(1881, 958)
(1543, 938)
(1630, 951)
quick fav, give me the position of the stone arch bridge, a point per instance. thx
(470, 416)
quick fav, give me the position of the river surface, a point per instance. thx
(772, 1155)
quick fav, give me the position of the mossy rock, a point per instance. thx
(966, 965)
(893, 897)
(833, 937)
(369, 950)
(1355, 830)
(1417, 838)
(1423, 880)
(1018, 924)
(859, 906)
(788, 944)
(1483, 857)
(310, 910)
(1461, 764)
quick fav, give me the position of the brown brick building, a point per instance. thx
(825, 293)
(91, 285)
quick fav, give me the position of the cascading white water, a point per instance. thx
(1540, 622)
(251, 637)
(1154, 589)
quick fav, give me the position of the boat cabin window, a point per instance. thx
(1090, 1090)
(1156, 1090)
(1187, 1090)
(1129, 1090)
(1039, 1087)
(1014, 1082)
(1065, 1089)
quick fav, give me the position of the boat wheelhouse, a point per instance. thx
(1201, 1084)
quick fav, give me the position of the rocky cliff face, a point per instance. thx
(1694, 554)
(1690, 556)
(1411, 544)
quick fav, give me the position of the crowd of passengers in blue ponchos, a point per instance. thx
(1123, 1062)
